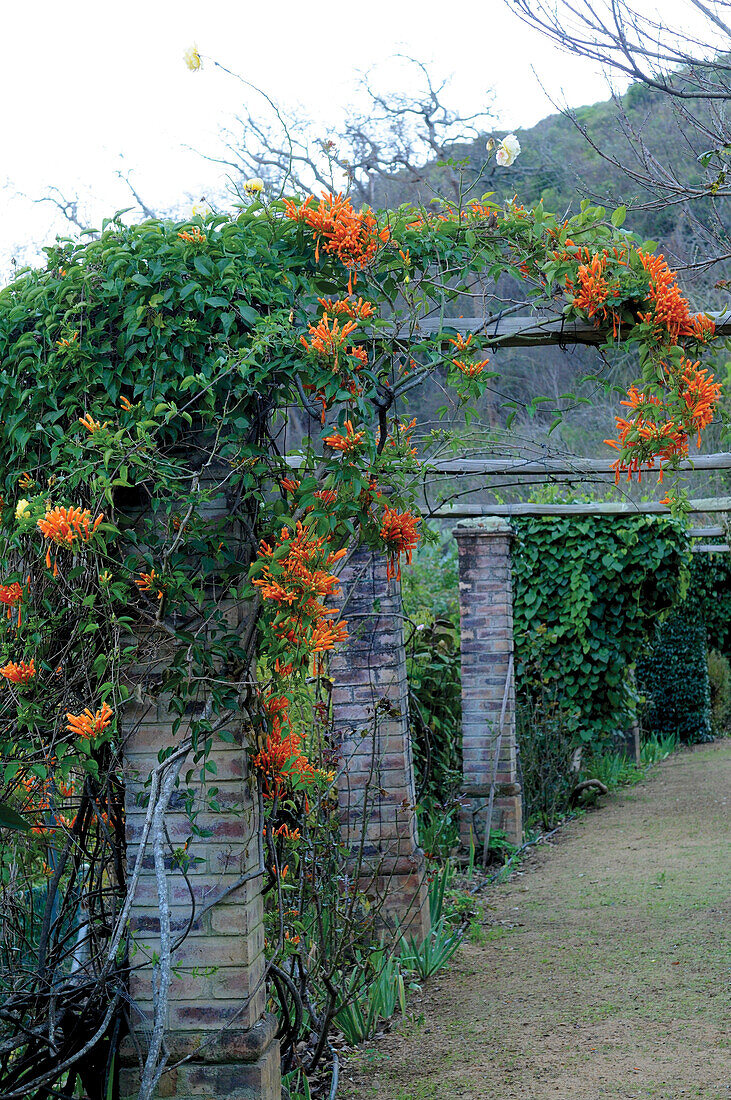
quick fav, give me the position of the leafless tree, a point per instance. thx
(387, 148)
(684, 69)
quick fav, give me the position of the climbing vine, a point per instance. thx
(206, 417)
(588, 591)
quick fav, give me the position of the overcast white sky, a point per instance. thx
(86, 82)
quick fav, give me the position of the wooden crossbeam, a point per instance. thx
(526, 332)
(517, 467)
(706, 532)
(593, 508)
(710, 548)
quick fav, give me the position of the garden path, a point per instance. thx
(600, 971)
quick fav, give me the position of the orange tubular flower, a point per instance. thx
(125, 403)
(399, 533)
(65, 526)
(91, 424)
(20, 673)
(10, 595)
(470, 370)
(352, 237)
(192, 236)
(297, 582)
(359, 311)
(700, 394)
(668, 308)
(345, 443)
(327, 635)
(327, 496)
(150, 582)
(281, 762)
(328, 342)
(289, 485)
(88, 725)
(460, 343)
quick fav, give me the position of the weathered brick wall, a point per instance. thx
(217, 998)
(216, 1005)
(376, 778)
(486, 614)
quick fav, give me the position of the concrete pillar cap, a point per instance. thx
(483, 525)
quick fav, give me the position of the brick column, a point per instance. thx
(376, 780)
(486, 615)
(216, 1006)
(216, 1009)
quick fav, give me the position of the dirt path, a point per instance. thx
(603, 970)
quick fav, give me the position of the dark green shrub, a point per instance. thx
(710, 591)
(719, 676)
(673, 674)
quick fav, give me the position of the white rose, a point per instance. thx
(507, 151)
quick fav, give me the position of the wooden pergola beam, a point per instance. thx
(517, 467)
(593, 508)
(525, 332)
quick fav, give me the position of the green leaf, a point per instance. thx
(11, 819)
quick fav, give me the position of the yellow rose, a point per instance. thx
(254, 186)
(22, 509)
(192, 59)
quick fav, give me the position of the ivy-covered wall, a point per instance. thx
(587, 592)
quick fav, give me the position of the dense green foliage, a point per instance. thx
(586, 592)
(674, 676)
(719, 678)
(709, 591)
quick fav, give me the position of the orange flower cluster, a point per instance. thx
(655, 431)
(669, 310)
(595, 284)
(328, 342)
(281, 762)
(327, 496)
(88, 725)
(92, 425)
(150, 582)
(297, 582)
(469, 368)
(289, 484)
(192, 236)
(359, 311)
(398, 531)
(350, 236)
(348, 442)
(10, 595)
(700, 394)
(20, 673)
(65, 526)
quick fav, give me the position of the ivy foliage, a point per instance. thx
(709, 591)
(674, 677)
(586, 592)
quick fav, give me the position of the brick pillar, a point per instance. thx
(376, 789)
(486, 615)
(216, 1006)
